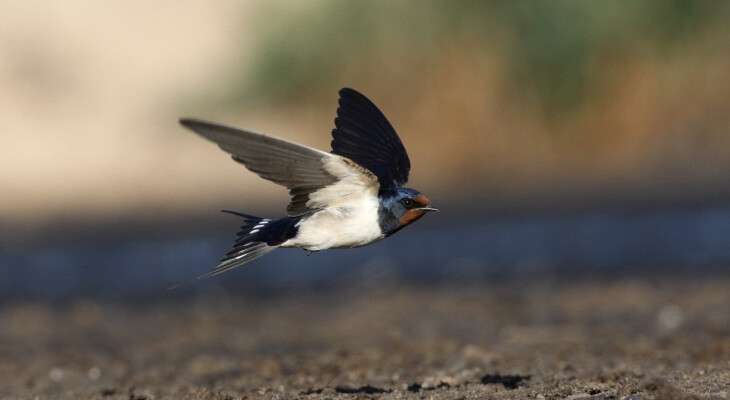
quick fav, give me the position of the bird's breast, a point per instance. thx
(350, 224)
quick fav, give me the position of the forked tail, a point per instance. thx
(257, 237)
(250, 244)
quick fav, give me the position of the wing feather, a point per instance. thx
(305, 171)
(363, 134)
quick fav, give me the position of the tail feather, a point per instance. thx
(257, 237)
(250, 244)
(249, 221)
(240, 214)
(239, 258)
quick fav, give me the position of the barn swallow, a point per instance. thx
(350, 197)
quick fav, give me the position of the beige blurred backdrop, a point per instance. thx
(90, 95)
(497, 103)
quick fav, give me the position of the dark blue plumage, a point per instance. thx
(261, 230)
(364, 135)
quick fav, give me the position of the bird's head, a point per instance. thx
(401, 208)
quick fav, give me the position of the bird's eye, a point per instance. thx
(407, 203)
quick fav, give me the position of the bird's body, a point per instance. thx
(350, 197)
(352, 224)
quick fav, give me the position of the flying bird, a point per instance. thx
(350, 197)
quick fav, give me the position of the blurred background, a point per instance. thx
(561, 140)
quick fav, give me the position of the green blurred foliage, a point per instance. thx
(555, 41)
(548, 44)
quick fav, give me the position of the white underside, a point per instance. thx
(352, 223)
(347, 210)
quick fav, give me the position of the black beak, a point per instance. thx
(429, 209)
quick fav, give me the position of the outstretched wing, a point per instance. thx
(315, 179)
(364, 135)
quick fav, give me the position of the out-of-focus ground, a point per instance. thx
(619, 339)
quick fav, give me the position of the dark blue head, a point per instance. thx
(402, 207)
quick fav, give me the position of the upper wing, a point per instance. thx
(312, 176)
(364, 135)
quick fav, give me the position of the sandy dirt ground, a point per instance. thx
(586, 340)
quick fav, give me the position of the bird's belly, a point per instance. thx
(337, 228)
